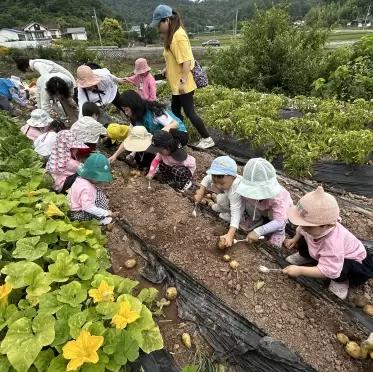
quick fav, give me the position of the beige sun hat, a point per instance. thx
(141, 66)
(317, 208)
(39, 119)
(86, 77)
(138, 140)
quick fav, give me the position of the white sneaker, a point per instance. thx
(225, 216)
(297, 259)
(339, 289)
(187, 186)
(205, 143)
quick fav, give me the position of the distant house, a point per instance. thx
(36, 31)
(136, 29)
(76, 33)
(10, 34)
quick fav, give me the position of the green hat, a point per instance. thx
(96, 168)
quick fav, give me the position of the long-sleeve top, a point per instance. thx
(31, 132)
(107, 85)
(235, 200)
(189, 162)
(145, 86)
(88, 130)
(46, 67)
(43, 145)
(332, 249)
(10, 91)
(43, 99)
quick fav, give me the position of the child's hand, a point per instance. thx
(228, 239)
(122, 81)
(199, 196)
(109, 213)
(164, 73)
(290, 243)
(252, 237)
(130, 158)
(149, 176)
(293, 270)
(112, 158)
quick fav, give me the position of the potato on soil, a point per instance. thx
(368, 309)
(226, 258)
(359, 301)
(343, 339)
(203, 202)
(222, 243)
(210, 203)
(364, 351)
(208, 196)
(171, 293)
(133, 172)
(234, 264)
(138, 173)
(130, 264)
(186, 340)
(214, 197)
(353, 350)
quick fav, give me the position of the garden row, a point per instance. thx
(60, 310)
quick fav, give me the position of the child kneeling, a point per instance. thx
(223, 174)
(87, 201)
(174, 164)
(264, 197)
(322, 240)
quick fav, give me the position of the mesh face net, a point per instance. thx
(258, 171)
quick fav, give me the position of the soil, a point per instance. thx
(281, 307)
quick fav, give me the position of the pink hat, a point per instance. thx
(317, 208)
(86, 77)
(141, 66)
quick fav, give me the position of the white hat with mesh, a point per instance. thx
(259, 180)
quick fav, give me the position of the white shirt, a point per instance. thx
(46, 67)
(235, 200)
(44, 143)
(107, 85)
(88, 130)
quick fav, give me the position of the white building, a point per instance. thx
(77, 33)
(41, 32)
(9, 34)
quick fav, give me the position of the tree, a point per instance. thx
(148, 34)
(112, 31)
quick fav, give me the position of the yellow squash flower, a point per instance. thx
(103, 293)
(30, 194)
(86, 231)
(124, 316)
(82, 350)
(53, 210)
(4, 293)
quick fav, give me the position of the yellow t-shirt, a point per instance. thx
(180, 52)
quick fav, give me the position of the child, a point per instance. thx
(223, 174)
(36, 125)
(175, 165)
(322, 240)
(12, 90)
(43, 145)
(63, 163)
(264, 197)
(87, 201)
(144, 80)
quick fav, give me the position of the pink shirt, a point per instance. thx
(32, 133)
(189, 162)
(277, 205)
(82, 195)
(60, 178)
(332, 249)
(145, 86)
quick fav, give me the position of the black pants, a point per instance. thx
(178, 174)
(183, 137)
(357, 273)
(186, 102)
(116, 104)
(5, 104)
(144, 159)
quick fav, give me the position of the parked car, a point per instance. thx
(211, 43)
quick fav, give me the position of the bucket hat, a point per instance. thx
(161, 140)
(39, 119)
(259, 180)
(141, 66)
(85, 77)
(160, 12)
(317, 208)
(96, 168)
(223, 166)
(118, 132)
(139, 139)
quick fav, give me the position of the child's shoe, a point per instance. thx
(277, 238)
(225, 216)
(249, 224)
(298, 260)
(187, 186)
(340, 289)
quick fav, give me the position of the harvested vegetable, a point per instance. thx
(353, 350)
(130, 264)
(186, 340)
(210, 203)
(208, 196)
(368, 309)
(226, 258)
(234, 264)
(214, 197)
(222, 243)
(259, 285)
(133, 172)
(342, 338)
(359, 301)
(171, 293)
(364, 351)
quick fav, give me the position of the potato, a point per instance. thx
(186, 340)
(364, 352)
(259, 285)
(208, 196)
(343, 339)
(171, 293)
(371, 355)
(129, 264)
(109, 226)
(226, 258)
(214, 197)
(163, 302)
(221, 243)
(133, 172)
(360, 301)
(203, 202)
(353, 350)
(234, 264)
(210, 203)
(138, 173)
(368, 309)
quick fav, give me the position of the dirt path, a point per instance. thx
(282, 308)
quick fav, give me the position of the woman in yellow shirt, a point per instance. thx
(179, 64)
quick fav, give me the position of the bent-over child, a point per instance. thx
(87, 201)
(223, 174)
(321, 240)
(263, 197)
(36, 125)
